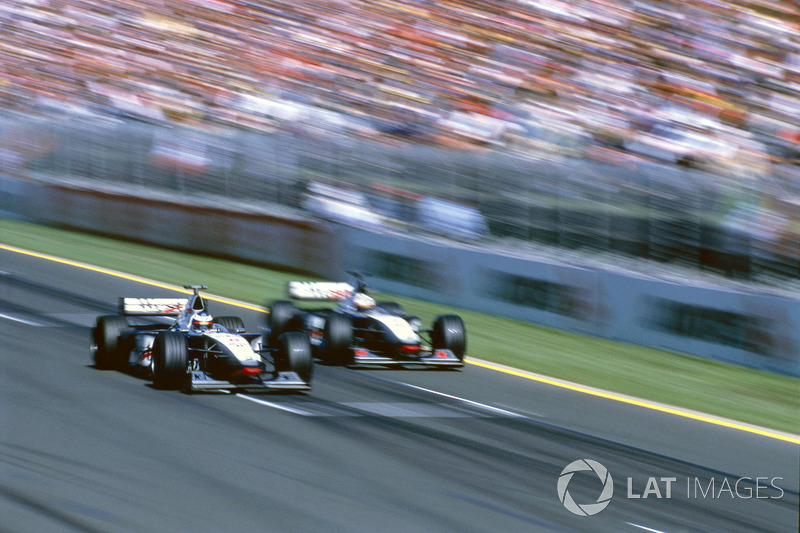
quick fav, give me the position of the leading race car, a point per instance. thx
(186, 348)
(360, 331)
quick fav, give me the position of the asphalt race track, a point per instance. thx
(366, 450)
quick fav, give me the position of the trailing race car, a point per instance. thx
(362, 332)
(185, 348)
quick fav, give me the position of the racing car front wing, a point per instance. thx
(437, 358)
(284, 381)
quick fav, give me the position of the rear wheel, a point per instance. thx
(294, 355)
(449, 334)
(231, 323)
(282, 318)
(336, 339)
(107, 352)
(169, 360)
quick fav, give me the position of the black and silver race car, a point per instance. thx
(177, 343)
(360, 331)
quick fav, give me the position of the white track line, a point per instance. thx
(468, 402)
(275, 405)
(15, 319)
(651, 530)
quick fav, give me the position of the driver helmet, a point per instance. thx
(363, 302)
(202, 321)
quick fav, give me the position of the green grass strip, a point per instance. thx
(731, 391)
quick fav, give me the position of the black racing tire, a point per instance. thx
(294, 355)
(170, 358)
(393, 308)
(282, 318)
(107, 352)
(231, 323)
(449, 334)
(337, 336)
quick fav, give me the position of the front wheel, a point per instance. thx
(232, 323)
(106, 334)
(282, 318)
(449, 334)
(169, 360)
(336, 340)
(294, 355)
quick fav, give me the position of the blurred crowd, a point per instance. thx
(713, 84)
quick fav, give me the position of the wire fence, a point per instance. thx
(742, 228)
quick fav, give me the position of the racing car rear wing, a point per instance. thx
(319, 290)
(151, 306)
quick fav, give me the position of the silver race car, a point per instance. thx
(177, 343)
(360, 331)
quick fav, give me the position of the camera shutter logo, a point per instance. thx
(587, 509)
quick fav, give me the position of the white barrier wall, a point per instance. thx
(747, 328)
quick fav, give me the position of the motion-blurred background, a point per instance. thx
(655, 129)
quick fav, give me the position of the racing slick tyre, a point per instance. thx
(169, 360)
(282, 318)
(393, 308)
(294, 355)
(336, 339)
(107, 352)
(231, 323)
(449, 334)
